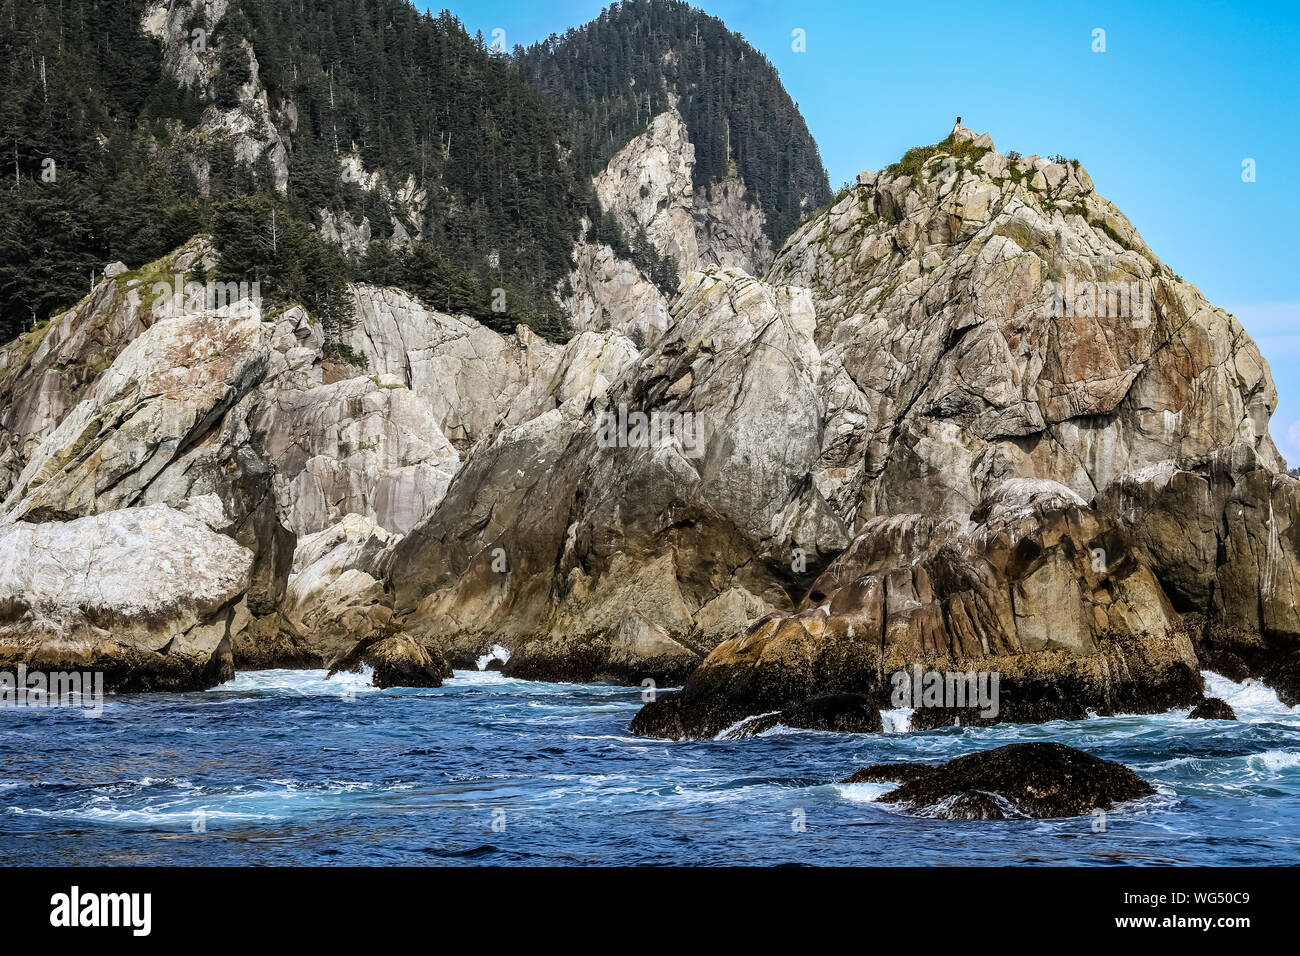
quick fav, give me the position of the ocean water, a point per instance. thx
(283, 767)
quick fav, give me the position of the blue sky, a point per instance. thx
(1163, 119)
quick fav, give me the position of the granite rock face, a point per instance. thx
(249, 128)
(989, 330)
(1222, 533)
(46, 372)
(985, 318)
(959, 352)
(333, 598)
(165, 423)
(467, 374)
(163, 394)
(616, 555)
(146, 595)
(648, 188)
(968, 422)
(250, 426)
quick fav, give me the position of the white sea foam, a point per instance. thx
(307, 683)
(1272, 762)
(177, 801)
(1251, 700)
(498, 653)
(898, 720)
(864, 792)
(726, 732)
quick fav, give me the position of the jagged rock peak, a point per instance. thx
(995, 317)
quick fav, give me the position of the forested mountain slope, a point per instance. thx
(325, 140)
(641, 57)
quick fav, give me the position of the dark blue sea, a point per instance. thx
(284, 767)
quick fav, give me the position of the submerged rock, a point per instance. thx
(1213, 708)
(1019, 780)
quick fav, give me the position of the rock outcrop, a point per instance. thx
(983, 321)
(1036, 780)
(1222, 533)
(730, 230)
(146, 595)
(162, 395)
(467, 374)
(247, 128)
(45, 373)
(1212, 708)
(333, 599)
(648, 189)
(165, 423)
(396, 660)
(608, 291)
(1017, 590)
(839, 713)
(939, 368)
(137, 397)
(985, 318)
(968, 423)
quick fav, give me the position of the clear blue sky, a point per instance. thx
(1163, 119)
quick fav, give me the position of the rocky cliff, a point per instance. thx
(967, 422)
(985, 321)
(145, 397)
(947, 327)
(246, 124)
(990, 318)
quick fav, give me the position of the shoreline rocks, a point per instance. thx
(1018, 591)
(1213, 708)
(397, 661)
(838, 713)
(896, 451)
(146, 595)
(1028, 780)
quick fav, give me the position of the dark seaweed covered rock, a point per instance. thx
(1213, 708)
(1019, 780)
(890, 773)
(843, 713)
